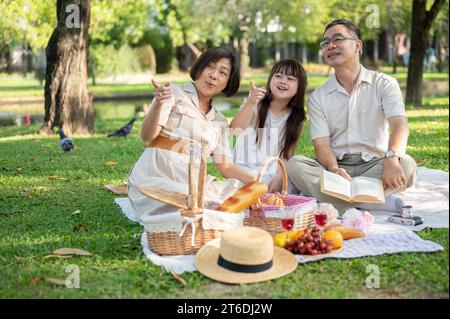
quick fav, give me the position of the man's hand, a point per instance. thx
(342, 172)
(393, 175)
(276, 183)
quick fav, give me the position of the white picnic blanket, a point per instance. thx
(379, 244)
(429, 198)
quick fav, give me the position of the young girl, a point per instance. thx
(181, 114)
(270, 121)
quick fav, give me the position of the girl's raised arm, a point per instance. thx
(245, 116)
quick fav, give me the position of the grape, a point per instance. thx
(309, 238)
(323, 245)
(313, 252)
(308, 246)
(329, 248)
(302, 251)
(300, 244)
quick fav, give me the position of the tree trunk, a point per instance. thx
(194, 50)
(439, 54)
(68, 103)
(243, 53)
(304, 54)
(420, 27)
(376, 53)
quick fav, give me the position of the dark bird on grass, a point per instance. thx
(124, 130)
(66, 142)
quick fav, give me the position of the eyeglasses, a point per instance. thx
(337, 40)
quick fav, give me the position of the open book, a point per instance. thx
(360, 189)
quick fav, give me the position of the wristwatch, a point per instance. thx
(390, 154)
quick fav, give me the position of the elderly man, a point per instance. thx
(349, 118)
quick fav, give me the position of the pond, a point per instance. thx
(27, 114)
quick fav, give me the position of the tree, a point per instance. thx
(24, 22)
(68, 103)
(422, 20)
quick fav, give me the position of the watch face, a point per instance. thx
(390, 154)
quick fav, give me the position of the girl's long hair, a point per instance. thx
(296, 104)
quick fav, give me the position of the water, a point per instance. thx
(33, 113)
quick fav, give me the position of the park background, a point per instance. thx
(50, 200)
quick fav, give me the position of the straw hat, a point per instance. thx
(244, 255)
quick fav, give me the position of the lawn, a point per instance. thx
(18, 86)
(50, 200)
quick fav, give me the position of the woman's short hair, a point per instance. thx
(214, 55)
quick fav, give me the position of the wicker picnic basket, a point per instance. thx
(265, 216)
(193, 236)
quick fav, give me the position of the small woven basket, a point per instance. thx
(193, 237)
(172, 244)
(265, 216)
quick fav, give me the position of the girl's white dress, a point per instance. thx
(251, 156)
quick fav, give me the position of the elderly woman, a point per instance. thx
(180, 114)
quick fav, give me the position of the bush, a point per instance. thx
(147, 58)
(107, 60)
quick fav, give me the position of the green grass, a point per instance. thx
(36, 217)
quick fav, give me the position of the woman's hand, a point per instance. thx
(161, 93)
(255, 94)
(228, 169)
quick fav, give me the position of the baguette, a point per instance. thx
(347, 232)
(243, 198)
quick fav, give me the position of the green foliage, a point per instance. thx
(26, 21)
(118, 22)
(111, 61)
(161, 43)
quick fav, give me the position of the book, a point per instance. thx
(360, 189)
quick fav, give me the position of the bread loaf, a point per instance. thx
(243, 197)
(273, 200)
(347, 232)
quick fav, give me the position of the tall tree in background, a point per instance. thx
(422, 20)
(68, 103)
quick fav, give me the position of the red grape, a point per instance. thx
(313, 252)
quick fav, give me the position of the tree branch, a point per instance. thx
(432, 13)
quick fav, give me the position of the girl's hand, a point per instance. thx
(276, 184)
(255, 94)
(161, 93)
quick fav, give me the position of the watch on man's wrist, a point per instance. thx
(391, 154)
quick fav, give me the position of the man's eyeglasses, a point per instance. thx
(326, 42)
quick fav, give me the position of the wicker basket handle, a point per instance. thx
(197, 180)
(267, 162)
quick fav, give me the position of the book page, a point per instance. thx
(362, 185)
(336, 184)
